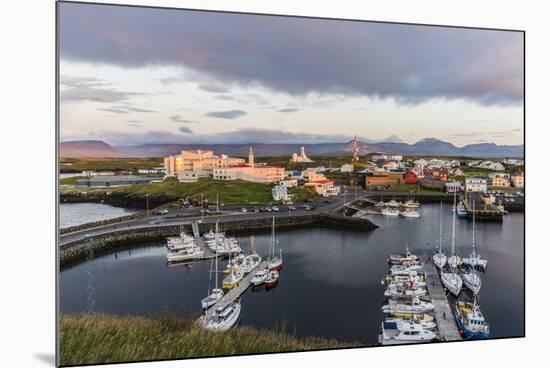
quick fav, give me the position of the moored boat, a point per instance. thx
(410, 213)
(414, 306)
(407, 333)
(407, 258)
(224, 317)
(388, 211)
(439, 258)
(260, 277)
(272, 278)
(470, 321)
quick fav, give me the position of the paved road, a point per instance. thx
(230, 213)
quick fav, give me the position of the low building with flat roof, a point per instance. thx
(114, 181)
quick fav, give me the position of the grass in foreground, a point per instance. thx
(89, 339)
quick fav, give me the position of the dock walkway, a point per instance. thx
(448, 331)
(236, 292)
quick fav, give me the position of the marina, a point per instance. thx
(346, 265)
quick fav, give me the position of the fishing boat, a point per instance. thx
(186, 254)
(403, 322)
(388, 211)
(392, 203)
(380, 204)
(471, 278)
(250, 262)
(260, 277)
(233, 278)
(217, 293)
(451, 279)
(407, 258)
(439, 258)
(396, 291)
(410, 213)
(414, 306)
(272, 278)
(224, 317)
(402, 270)
(407, 333)
(274, 263)
(470, 321)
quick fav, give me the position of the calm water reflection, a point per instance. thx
(72, 214)
(330, 284)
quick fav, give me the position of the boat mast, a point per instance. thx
(474, 232)
(440, 225)
(453, 228)
(273, 236)
(216, 242)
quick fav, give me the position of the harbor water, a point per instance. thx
(329, 286)
(72, 214)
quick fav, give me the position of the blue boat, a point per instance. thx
(470, 321)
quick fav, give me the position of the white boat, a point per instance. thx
(471, 278)
(404, 259)
(396, 291)
(392, 203)
(394, 334)
(251, 262)
(224, 317)
(439, 258)
(410, 213)
(415, 306)
(470, 321)
(186, 254)
(413, 277)
(387, 211)
(380, 204)
(401, 270)
(402, 323)
(454, 261)
(451, 279)
(274, 263)
(410, 203)
(272, 278)
(233, 278)
(260, 277)
(475, 261)
(217, 293)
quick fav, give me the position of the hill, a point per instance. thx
(87, 149)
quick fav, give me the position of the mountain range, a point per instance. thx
(427, 146)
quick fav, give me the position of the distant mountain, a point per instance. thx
(87, 149)
(427, 146)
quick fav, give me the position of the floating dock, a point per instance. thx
(444, 317)
(233, 294)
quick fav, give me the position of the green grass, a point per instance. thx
(70, 181)
(91, 339)
(111, 164)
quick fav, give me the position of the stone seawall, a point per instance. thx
(114, 198)
(76, 251)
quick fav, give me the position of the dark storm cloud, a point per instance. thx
(300, 56)
(185, 130)
(230, 114)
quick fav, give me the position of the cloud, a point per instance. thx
(213, 88)
(408, 63)
(124, 109)
(180, 119)
(289, 109)
(225, 97)
(79, 89)
(490, 134)
(230, 114)
(185, 130)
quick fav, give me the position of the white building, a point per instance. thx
(396, 157)
(289, 183)
(476, 185)
(453, 186)
(279, 193)
(302, 157)
(346, 168)
(497, 166)
(379, 157)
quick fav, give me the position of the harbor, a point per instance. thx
(346, 265)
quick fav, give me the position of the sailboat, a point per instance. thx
(224, 317)
(451, 279)
(274, 263)
(475, 260)
(471, 278)
(439, 258)
(216, 293)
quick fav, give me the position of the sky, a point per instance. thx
(133, 75)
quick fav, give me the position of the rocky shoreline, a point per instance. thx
(114, 198)
(77, 251)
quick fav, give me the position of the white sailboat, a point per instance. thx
(217, 293)
(410, 213)
(451, 279)
(439, 258)
(224, 317)
(389, 211)
(471, 278)
(274, 263)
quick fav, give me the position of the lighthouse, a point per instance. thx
(250, 157)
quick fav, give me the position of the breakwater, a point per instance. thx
(114, 198)
(78, 250)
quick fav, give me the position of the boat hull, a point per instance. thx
(467, 333)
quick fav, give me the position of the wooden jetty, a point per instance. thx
(475, 202)
(444, 317)
(236, 292)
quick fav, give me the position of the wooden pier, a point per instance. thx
(208, 253)
(444, 317)
(233, 294)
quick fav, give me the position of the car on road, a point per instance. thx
(268, 209)
(244, 210)
(307, 208)
(263, 209)
(291, 208)
(256, 210)
(275, 209)
(156, 221)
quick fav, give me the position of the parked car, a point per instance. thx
(256, 210)
(291, 208)
(308, 208)
(243, 210)
(275, 208)
(263, 209)
(156, 221)
(268, 209)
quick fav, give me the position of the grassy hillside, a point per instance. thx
(90, 339)
(111, 164)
